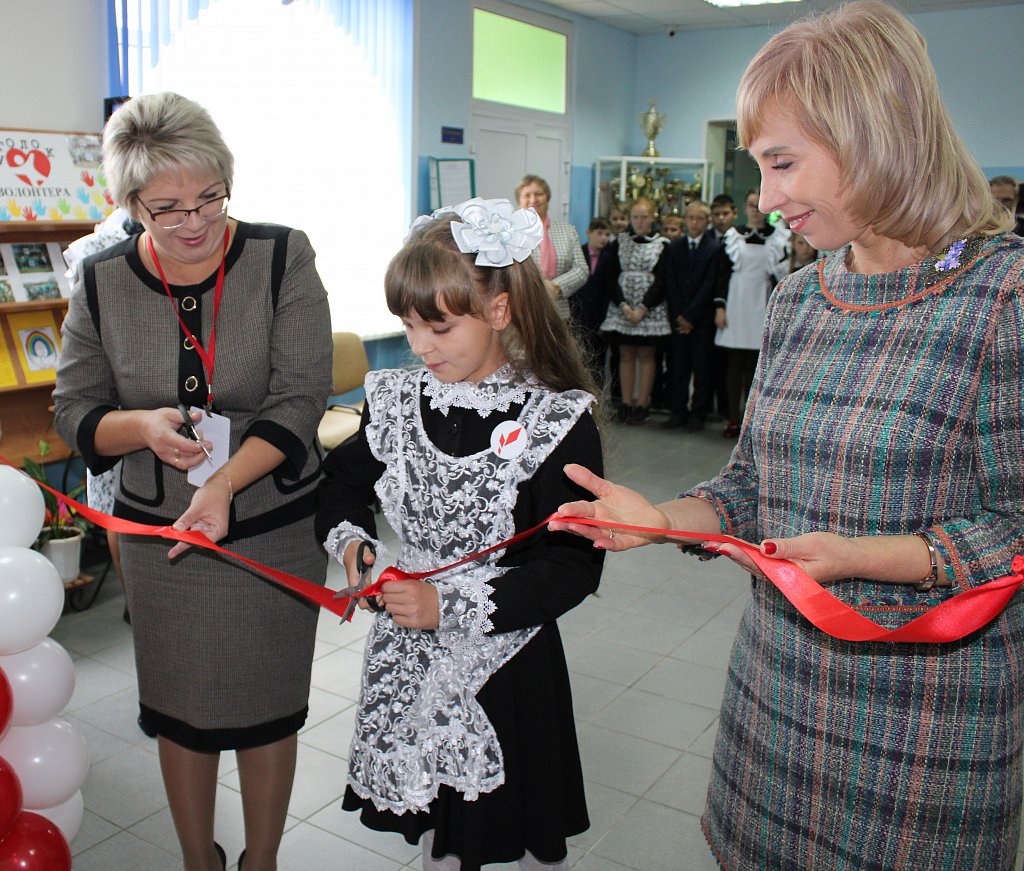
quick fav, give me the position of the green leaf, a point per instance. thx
(44, 448)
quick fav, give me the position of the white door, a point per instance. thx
(506, 149)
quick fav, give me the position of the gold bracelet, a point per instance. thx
(231, 490)
(929, 580)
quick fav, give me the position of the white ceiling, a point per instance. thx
(657, 16)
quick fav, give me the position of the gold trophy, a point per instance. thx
(651, 122)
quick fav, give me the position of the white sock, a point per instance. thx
(529, 862)
(448, 863)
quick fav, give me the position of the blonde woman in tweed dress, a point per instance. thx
(881, 452)
(223, 656)
(559, 257)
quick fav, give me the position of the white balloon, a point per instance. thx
(51, 761)
(22, 509)
(31, 599)
(67, 817)
(42, 680)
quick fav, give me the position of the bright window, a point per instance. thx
(518, 63)
(321, 142)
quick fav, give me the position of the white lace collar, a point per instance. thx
(497, 392)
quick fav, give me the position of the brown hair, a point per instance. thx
(646, 203)
(430, 271)
(532, 179)
(672, 219)
(859, 83)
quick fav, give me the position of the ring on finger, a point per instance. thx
(176, 461)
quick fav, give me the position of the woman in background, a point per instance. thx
(559, 257)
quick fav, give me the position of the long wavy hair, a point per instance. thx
(430, 271)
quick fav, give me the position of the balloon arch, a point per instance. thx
(43, 759)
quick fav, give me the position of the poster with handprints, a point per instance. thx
(52, 177)
(38, 344)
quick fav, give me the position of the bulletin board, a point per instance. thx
(48, 176)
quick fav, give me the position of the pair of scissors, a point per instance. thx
(364, 577)
(190, 429)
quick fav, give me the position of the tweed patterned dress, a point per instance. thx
(883, 405)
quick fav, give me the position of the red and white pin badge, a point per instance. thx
(508, 440)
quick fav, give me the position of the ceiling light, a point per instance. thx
(746, 2)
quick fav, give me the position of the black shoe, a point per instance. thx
(623, 413)
(241, 858)
(639, 414)
(674, 422)
(149, 733)
(694, 424)
(221, 854)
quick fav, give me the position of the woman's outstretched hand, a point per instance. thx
(824, 556)
(614, 503)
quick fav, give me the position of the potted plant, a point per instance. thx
(60, 539)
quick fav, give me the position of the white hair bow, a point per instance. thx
(494, 230)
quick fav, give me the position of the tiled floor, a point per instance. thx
(647, 657)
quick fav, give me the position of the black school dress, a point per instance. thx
(529, 794)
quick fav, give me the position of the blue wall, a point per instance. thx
(603, 73)
(694, 76)
(973, 50)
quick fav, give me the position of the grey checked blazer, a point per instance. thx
(572, 271)
(123, 348)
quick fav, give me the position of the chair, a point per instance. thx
(349, 369)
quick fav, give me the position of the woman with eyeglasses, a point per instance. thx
(229, 319)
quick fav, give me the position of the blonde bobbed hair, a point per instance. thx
(156, 133)
(859, 83)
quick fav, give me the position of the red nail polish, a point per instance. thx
(770, 547)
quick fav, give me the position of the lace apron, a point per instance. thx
(637, 276)
(419, 724)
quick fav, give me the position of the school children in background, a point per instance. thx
(749, 264)
(672, 227)
(723, 216)
(618, 215)
(464, 739)
(628, 274)
(801, 252)
(590, 303)
(687, 274)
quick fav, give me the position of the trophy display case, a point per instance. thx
(668, 182)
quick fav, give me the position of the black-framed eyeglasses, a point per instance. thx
(169, 219)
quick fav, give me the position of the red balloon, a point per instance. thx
(10, 798)
(34, 844)
(6, 701)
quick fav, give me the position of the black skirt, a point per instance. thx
(542, 802)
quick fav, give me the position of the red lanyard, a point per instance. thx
(207, 358)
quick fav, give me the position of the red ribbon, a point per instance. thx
(954, 619)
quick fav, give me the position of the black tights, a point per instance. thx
(742, 362)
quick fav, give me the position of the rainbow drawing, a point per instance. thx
(40, 346)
